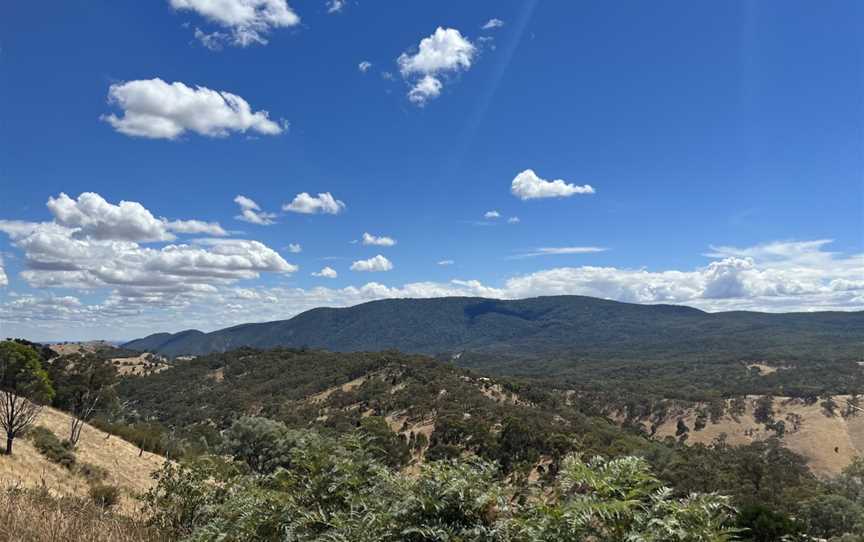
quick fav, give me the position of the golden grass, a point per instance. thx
(828, 442)
(126, 470)
(36, 516)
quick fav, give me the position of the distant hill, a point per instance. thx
(490, 331)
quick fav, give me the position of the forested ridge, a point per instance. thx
(542, 335)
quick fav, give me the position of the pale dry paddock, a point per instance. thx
(80, 347)
(126, 470)
(140, 365)
(828, 442)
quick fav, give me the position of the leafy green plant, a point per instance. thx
(339, 489)
(55, 450)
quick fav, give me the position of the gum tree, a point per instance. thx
(24, 388)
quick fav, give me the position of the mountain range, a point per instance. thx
(575, 327)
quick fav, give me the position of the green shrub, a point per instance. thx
(47, 443)
(104, 495)
(91, 472)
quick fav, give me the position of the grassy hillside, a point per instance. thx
(120, 461)
(514, 336)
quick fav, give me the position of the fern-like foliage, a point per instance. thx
(338, 490)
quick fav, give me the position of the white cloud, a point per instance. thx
(336, 6)
(91, 216)
(295, 248)
(251, 212)
(4, 281)
(196, 227)
(248, 21)
(492, 214)
(92, 244)
(327, 273)
(324, 203)
(527, 185)
(376, 263)
(427, 88)
(492, 24)
(383, 241)
(445, 262)
(557, 251)
(364, 66)
(514, 220)
(445, 51)
(155, 109)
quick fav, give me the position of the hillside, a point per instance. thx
(502, 335)
(120, 460)
(455, 410)
(829, 441)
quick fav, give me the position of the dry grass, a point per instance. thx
(126, 470)
(34, 515)
(828, 442)
(139, 365)
(80, 347)
(348, 386)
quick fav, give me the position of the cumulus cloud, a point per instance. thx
(4, 281)
(514, 220)
(155, 109)
(445, 262)
(446, 51)
(247, 21)
(426, 88)
(196, 227)
(92, 244)
(557, 251)
(492, 24)
(376, 263)
(324, 203)
(326, 272)
(382, 241)
(364, 66)
(527, 185)
(251, 212)
(91, 216)
(295, 248)
(492, 214)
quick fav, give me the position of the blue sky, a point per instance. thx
(735, 125)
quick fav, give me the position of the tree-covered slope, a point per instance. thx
(542, 327)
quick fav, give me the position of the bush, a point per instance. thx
(91, 472)
(51, 447)
(338, 488)
(261, 443)
(104, 495)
